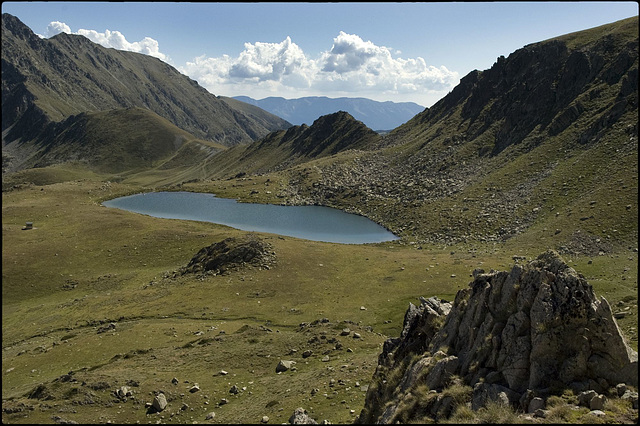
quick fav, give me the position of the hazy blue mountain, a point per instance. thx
(375, 115)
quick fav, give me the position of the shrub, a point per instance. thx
(497, 412)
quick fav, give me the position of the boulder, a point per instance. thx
(301, 417)
(159, 402)
(231, 254)
(597, 402)
(284, 365)
(511, 336)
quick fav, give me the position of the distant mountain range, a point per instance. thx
(375, 115)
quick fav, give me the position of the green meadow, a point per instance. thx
(85, 266)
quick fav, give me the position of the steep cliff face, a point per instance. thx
(536, 330)
(48, 80)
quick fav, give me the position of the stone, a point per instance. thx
(307, 353)
(631, 396)
(210, 416)
(511, 335)
(284, 365)
(621, 388)
(195, 388)
(584, 398)
(484, 393)
(234, 390)
(301, 417)
(345, 332)
(231, 254)
(540, 413)
(597, 402)
(159, 402)
(535, 404)
(325, 358)
(123, 392)
(174, 381)
(264, 419)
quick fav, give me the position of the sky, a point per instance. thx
(400, 52)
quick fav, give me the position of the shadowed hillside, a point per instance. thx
(49, 80)
(328, 135)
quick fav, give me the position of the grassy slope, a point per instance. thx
(85, 265)
(62, 279)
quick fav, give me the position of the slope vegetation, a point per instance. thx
(546, 140)
(49, 80)
(328, 135)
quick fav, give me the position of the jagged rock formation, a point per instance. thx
(231, 253)
(535, 330)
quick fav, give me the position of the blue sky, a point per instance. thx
(413, 52)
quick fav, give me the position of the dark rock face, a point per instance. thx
(231, 253)
(536, 328)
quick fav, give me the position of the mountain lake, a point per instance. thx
(316, 223)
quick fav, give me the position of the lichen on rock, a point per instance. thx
(536, 328)
(231, 254)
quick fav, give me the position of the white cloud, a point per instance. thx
(352, 67)
(111, 39)
(57, 27)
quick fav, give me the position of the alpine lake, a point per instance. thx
(315, 223)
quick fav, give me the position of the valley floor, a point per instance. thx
(90, 304)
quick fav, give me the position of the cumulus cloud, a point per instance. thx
(352, 67)
(111, 39)
(57, 27)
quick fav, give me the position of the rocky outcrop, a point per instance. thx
(230, 254)
(511, 336)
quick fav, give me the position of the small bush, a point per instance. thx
(496, 412)
(462, 414)
(560, 412)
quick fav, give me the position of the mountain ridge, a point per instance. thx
(49, 80)
(376, 115)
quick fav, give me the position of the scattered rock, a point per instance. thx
(301, 417)
(195, 388)
(210, 416)
(234, 390)
(597, 402)
(123, 392)
(159, 402)
(307, 353)
(264, 419)
(535, 404)
(284, 366)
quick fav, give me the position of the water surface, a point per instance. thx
(316, 223)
